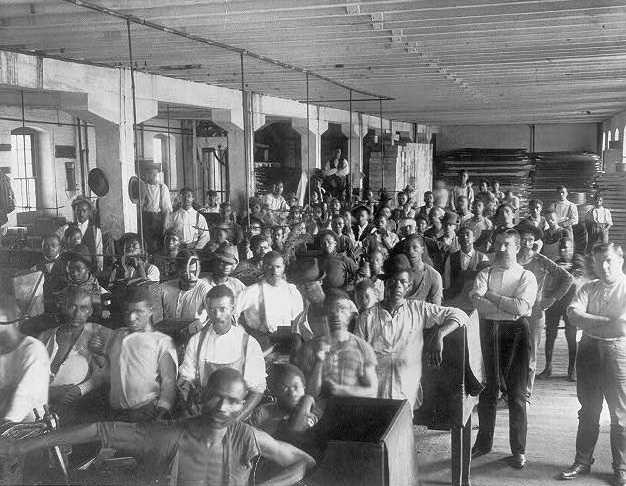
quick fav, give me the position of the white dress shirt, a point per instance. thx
(135, 369)
(24, 381)
(184, 304)
(566, 213)
(156, 198)
(224, 349)
(282, 303)
(191, 225)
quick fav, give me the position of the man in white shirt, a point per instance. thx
(156, 204)
(143, 364)
(335, 173)
(599, 309)
(24, 368)
(270, 307)
(183, 298)
(222, 344)
(189, 223)
(598, 222)
(275, 200)
(504, 295)
(566, 211)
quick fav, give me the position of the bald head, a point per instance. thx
(224, 397)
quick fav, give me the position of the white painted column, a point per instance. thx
(312, 157)
(355, 142)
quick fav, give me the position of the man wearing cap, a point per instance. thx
(222, 344)
(92, 236)
(504, 295)
(24, 368)
(143, 364)
(553, 282)
(189, 223)
(225, 259)
(395, 329)
(155, 205)
(270, 306)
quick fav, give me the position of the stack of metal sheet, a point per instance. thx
(612, 187)
(512, 167)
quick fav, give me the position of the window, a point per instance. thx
(616, 135)
(24, 168)
(603, 141)
(610, 138)
(161, 147)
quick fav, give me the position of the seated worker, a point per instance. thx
(165, 259)
(460, 269)
(307, 276)
(395, 330)
(222, 343)
(188, 222)
(53, 267)
(340, 269)
(211, 449)
(224, 261)
(270, 306)
(133, 265)
(382, 235)
(78, 365)
(72, 239)
(293, 412)
(143, 364)
(183, 298)
(340, 364)
(427, 284)
(251, 270)
(372, 268)
(24, 368)
(79, 275)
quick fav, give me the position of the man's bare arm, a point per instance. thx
(294, 461)
(79, 434)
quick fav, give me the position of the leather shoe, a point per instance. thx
(574, 471)
(619, 478)
(518, 461)
(480, 450)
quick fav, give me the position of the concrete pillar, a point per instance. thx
(355, 143)
(315, 130)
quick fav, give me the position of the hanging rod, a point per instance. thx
(203, 40)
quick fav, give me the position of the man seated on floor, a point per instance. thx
(24, 368)
(395, 330)
(143, 364)
(212, 449)
(340, 364)
(78, 365)
(222, 343)
(270, 306)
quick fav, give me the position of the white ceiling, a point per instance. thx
(443, 61)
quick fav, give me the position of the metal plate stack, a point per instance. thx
(612, 187)
(512, 167)
(576, 170)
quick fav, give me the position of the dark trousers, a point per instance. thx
(506, 351)
(601, 375)
(152, 230)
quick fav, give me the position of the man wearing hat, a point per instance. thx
(225, 259)
(553, 282)
(92, 236)
(155, 203)
(307, 276)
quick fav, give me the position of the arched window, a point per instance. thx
(610, 138)
(163, 152)
(24, 168)
(603, 141)
(616, 138)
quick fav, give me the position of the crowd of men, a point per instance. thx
(243, 327)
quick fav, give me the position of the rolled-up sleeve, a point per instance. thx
(437, 315)
(254, 374)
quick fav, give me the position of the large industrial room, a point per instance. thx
(312, 242)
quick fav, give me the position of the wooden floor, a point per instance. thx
(552, 422)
